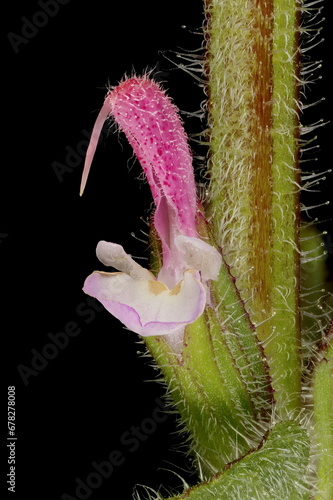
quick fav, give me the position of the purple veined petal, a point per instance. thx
(149, 307)
(114, 255)
(153, 128)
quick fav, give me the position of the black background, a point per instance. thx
(75, 410)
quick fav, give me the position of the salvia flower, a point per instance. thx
(146, 304)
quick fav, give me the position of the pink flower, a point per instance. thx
(177, 297)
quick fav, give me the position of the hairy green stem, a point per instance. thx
(252, 68)
(323, 421)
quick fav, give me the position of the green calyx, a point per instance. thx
(219, 380)
(276, 470)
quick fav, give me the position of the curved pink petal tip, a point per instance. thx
(153, 127)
